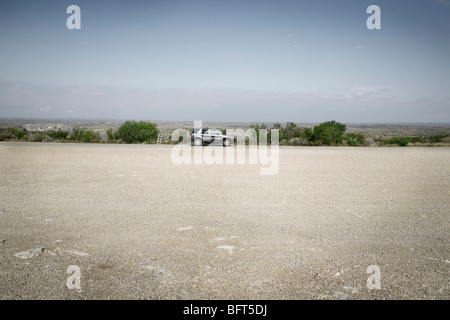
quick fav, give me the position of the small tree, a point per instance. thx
(308, 134)
(291, 131)
(329, 133)
(132, 132)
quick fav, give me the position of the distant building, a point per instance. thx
(38, 127)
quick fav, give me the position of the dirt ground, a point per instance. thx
(137, 226)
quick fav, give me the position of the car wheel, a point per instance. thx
(226, 142)
(198, 142)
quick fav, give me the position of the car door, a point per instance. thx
(215, 137)
(207, 136)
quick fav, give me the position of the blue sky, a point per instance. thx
(227, 60)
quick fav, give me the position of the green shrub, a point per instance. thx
(84, 135)
(89, 136)
(416, 139)
(291, 131)
(37, 137)
(359, 138)
(308, 134)
(58, 134)
(137, 132)
(111, 135)
(329, 133)
(77, 133)
(350, 141)
(401, 141)
(437, 138)
(15, 133)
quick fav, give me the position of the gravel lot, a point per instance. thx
(140, 227)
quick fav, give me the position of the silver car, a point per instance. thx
(210, 136)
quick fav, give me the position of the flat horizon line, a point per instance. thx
(219, 121)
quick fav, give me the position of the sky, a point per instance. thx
(227, 60)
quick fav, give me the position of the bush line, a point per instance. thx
(330, 133)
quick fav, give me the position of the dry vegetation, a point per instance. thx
(414, 134)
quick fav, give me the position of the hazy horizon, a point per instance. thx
(226, 61)
(54, 120)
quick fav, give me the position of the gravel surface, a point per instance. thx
(137, 226)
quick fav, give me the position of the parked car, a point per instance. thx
(210, 136)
